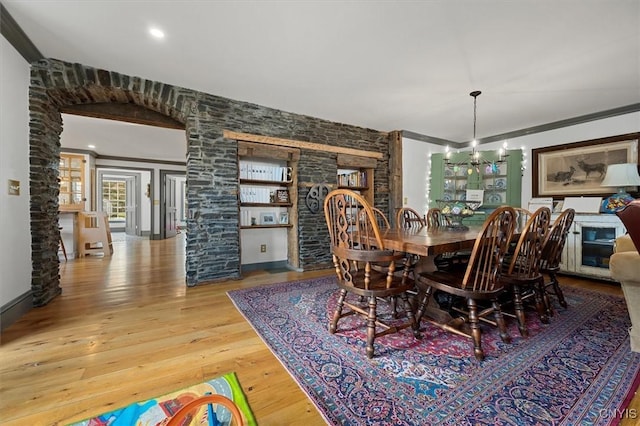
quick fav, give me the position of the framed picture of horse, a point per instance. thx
(578, 168)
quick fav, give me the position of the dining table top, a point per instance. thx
(430, 241)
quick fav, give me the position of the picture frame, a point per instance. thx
(282, 196)
(578, 168)
(284, 218)
(267, 218)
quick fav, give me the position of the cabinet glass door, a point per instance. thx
(494, 183)
(594, 247)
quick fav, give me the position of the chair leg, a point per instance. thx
(519, 308)
(394, 306)
(424, 302)
(557, 290)
(371, 326)
(542, 289)
(333, 325)
(541, 304)
(502, 325)
(476, 332)
(408, 309)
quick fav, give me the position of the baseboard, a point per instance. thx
(266, 266)
(634, 339)
(15, 309)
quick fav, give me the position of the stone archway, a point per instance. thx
(56, 86)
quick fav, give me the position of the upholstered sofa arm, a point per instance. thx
(625, 266)
(624, 243)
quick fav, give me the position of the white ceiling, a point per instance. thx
(386, 65)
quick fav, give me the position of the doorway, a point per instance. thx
(119, 197)
(172, 202)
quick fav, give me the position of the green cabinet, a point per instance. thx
(499, 177)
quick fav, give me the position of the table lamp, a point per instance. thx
(621, 176)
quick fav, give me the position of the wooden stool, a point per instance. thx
(94, 235)
(64, 250)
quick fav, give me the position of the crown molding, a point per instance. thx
(527, 131)
(10, 29)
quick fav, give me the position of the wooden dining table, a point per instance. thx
(427, 243)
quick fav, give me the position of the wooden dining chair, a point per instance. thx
(478, 282)
(354, 259)
(522, 216)
(522, 271)
(435, 219)
(552, 255)
(408, 218)
(381, 218)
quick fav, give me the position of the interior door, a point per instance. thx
(171, 207)
(131, 204)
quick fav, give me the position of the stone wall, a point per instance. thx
(213, 247)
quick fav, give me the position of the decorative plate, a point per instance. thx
(495, 199)
(501, 183)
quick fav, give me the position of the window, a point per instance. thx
(114, 198)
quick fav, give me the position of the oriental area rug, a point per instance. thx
(158, 411)
(577, 370)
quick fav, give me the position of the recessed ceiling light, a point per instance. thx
(156, 33)
(91, 146)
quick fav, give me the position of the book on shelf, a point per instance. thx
(250, 170)
(354, 179)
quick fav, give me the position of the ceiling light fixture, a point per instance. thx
(91, 146)
(475, 155)
(156, 33)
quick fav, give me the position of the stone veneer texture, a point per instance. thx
(213, 239)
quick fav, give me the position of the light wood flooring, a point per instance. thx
(126, 328)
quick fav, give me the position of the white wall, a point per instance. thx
(416, 173)
(415, 154)
(274, 238)
(15, 250)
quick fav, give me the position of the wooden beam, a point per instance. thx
(130, 113)
(356, 162)
(395, 172)
(250, 149)
(299, 144)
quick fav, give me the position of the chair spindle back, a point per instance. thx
(556, 237)
(489, 249)
(407, 218)
(525, 262)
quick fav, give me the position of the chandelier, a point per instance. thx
(475, 161)
(475, 155)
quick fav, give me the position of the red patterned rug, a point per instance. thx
(578, 369)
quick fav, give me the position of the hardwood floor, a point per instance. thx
(126, 328)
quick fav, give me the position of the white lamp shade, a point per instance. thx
(621, 175)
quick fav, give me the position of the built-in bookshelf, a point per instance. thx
(359, 179)
(264, 194)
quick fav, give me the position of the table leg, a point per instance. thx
(433, 310)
